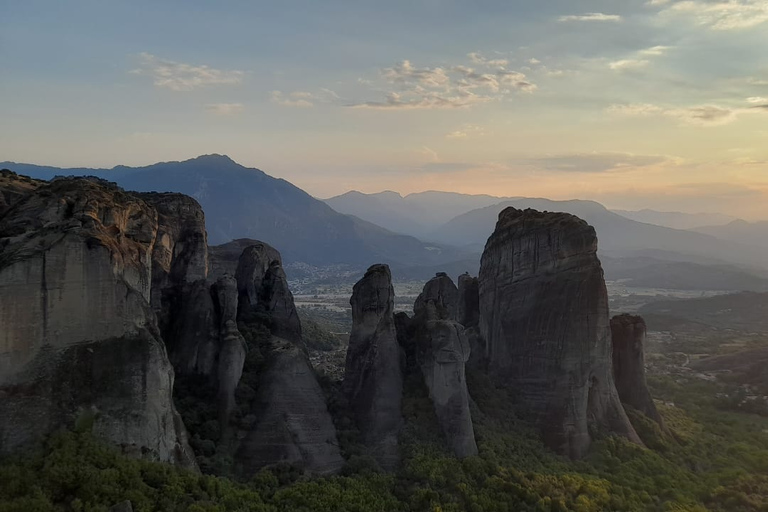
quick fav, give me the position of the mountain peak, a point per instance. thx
(213, 158)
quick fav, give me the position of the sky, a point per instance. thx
(657, 104)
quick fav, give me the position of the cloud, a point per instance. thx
(628, 64)
(598, 162)
(699, 115)
(224, 109)
(477, 58)
(720, 15)
(639, 59)
(450, 87)
(299, 99)
(592, 16)
(757, 99)
(465, 132)
(178, 76)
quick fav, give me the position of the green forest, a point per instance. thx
(714, 459)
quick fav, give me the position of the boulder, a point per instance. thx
(373, 380)
(628, 334)
(79, 344)
(545, 327)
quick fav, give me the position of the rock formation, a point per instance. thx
(468, 311)
(263, 288)
(373, 379)
(79, 342)
(439, 293)
(628, 334)
(232, 347)
(442, 351)
(293, 424)
(546, 330)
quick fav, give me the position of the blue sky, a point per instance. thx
(660, 104)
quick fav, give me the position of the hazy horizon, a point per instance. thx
(658, 104)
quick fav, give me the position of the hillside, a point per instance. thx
(676, 220)
(241, 202)
(739, 231)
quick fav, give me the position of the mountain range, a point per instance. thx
(420, 233)
(241, 202)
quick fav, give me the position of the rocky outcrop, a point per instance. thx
(442, 351)
(373, 380)
(545, 326)
(293, 424)
(79, 342)
(263, 288)
(180, 251)
(628, 334)
(439, 294)
(468, 310)
(232, 347)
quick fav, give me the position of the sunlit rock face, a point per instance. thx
(545, 327)
(373, 380)
(628, 334)
(442, 351)
(293, 424)
(79, 343)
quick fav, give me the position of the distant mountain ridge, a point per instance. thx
(242, 202)
(676, 220)
(617, 235)
(417, 214)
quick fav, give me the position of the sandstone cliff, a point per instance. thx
(373, 379)
(628, 334)
(545, 327)
(79, 341)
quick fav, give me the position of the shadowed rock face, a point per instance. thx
(628, 334)
(373, 379)
(232, 348)
(439, 294)
(468, 311)
(79, 339)
(545, 325)
(293, 425)
(263, 288)
(442, 351)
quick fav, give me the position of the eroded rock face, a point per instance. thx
(180, 251)
(440, 294)
(263, 288)
(468, 311)
(79, 341)
(545, 326)
(293, 425)
(232, 347)
(628, 334)
(373, 379)
(442, 351)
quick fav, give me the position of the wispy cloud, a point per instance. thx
(224, 109)
(178, 76)
(591, 16)
(699, 115)
(465, 132)
(447, 87)
(598, 162)
(639, 60)
(757, 99)
(720, 15)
